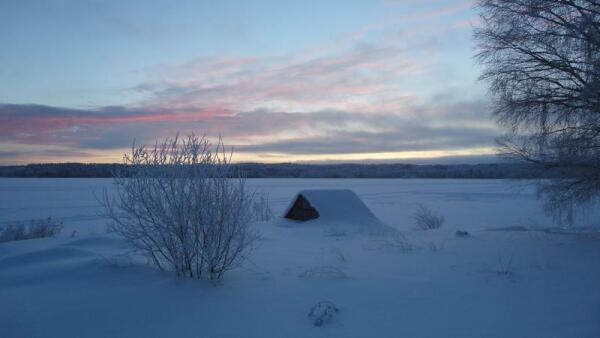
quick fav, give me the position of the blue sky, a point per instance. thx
(280, 80)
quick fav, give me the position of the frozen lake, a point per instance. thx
(465, 203)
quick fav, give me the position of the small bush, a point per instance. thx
(426, 219)
(38, 228)
(261, 209)
(396, 241)
(322, 313)
(13, 232)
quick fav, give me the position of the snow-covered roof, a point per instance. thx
(336, 205)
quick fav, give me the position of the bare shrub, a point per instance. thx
(396, 241)
(181, 205)
(427, 219)
(13, 232)
(262, 209)
(45, 227)
(37, 228)
(322, 312)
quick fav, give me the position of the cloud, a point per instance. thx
(8, 154)
(411, 138)
(381, 74)
(357, 95)
(414, 18)
(420, 128)
(14, 157)
(359, 76)
(40, 124)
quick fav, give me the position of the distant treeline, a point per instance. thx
(293, 170)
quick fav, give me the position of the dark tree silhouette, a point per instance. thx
(542, 62)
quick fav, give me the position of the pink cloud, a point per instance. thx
(297, 83)
(32, 124)
(349, 78)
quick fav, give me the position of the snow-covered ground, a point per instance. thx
(417, 284)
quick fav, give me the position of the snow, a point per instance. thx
(503, 283)
(339, 210)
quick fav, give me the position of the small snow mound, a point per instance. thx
(322, 312)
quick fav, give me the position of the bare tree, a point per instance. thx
(181, 205)
(542, 61)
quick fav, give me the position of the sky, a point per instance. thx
(280, 81)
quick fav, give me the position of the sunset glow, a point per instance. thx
(373, 81)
